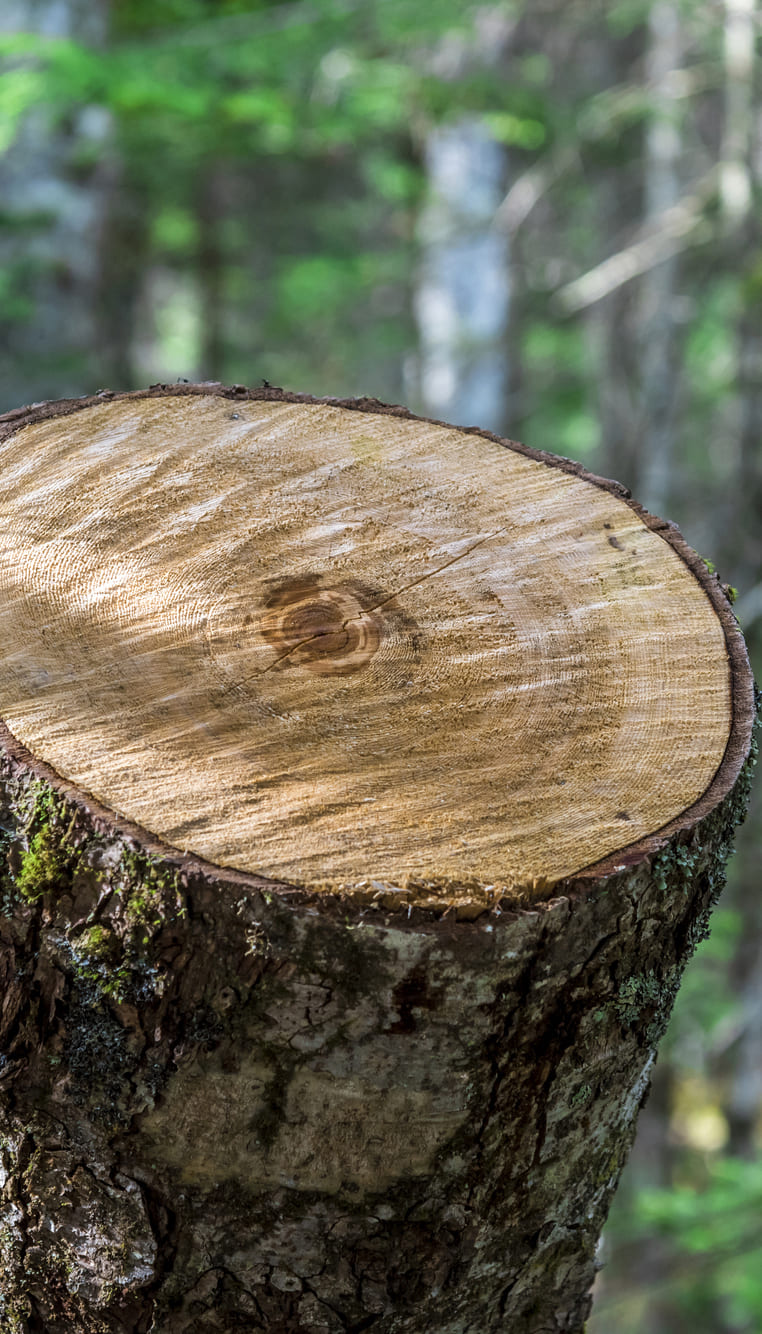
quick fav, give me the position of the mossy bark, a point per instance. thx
(229, 1105)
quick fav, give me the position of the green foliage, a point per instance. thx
(710, 370)
(523, 132)
(625, 16)
(730, 1205)
(245, 78)
(49, 857)
(711, 1249)
(41, 866)
(706, 1004)
(100, 966)
(563, 419)
(20, 90)
(175, 232)
(204, 92)
(151, 893)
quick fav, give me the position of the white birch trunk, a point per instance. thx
(735, 173)
(463, 295)
(663, 150)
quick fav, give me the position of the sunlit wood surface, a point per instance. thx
(335, 646)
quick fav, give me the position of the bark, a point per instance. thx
(235, 1103)
(225, 1108)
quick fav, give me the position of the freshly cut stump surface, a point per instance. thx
(365, 786)
(330, 646)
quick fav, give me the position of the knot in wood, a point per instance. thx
(327, 630)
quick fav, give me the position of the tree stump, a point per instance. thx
(366, 785)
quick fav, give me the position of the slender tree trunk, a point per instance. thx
(49, 237)
(612, 322)
(463, 293)
(463, 290)
(211, 270)
(122, 265)
(612, 327)
(744, 1097)
(735, 151)
(658, 329)
(740, 176)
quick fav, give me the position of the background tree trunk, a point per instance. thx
(659, 354)
(462, 298)
(54, 184)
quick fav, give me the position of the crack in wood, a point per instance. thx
(391, 597)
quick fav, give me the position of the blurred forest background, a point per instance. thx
(539, 216)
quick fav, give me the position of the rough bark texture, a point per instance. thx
(228, 1108)
(229, 1103)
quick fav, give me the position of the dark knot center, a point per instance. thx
(329, 629)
